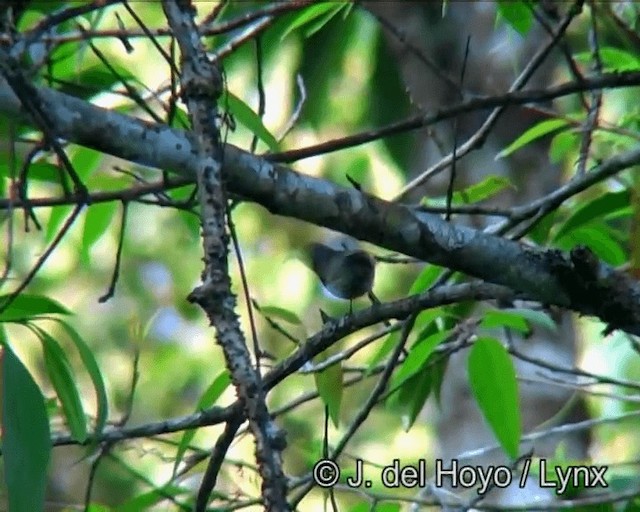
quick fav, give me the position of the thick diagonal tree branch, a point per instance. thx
(578, 283)
(201, 82)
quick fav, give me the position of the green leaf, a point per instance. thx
(487, 188)
(387, 507)
(44, 8)
(387, 100)
(317, 25)
(417, 358)
(56, 218)
(248, 118)
(438, 370)
(508, 319)
(311, 13)
(45, 171)
(516, 14)
(330, 387)
(26, 445)
(281, 313)
(425, 279)
(613, 59)
(91, 365)
(61, 376)
(595, 209)
(536, 317)
(363, 506)
(358, 169)
(632, 505)
(181, 119)
(598, 238)
(414, 392)
(621, 482)
(97, 507)
(518, 319)
(618, 141)
(541, 230)
(25, 307)
(380, 506)
(384, 350)
(425, 323)
(96, 222)
(94, 80)
(86, 160)
(562, 145)
(146, 501)
(208, 398)
(412, 396)
(535, 132)
(39, 171)
(493, 382)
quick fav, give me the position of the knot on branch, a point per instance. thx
(596, 289)
(206, 82)
(210, 300)
(277, 437)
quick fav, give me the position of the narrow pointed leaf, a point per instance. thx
(208, 398)
(26, 306)
(330, 388)
(91, 365)
(248, 118)
(535, 132)
(493, 382)
(26, 445)
(62, 379)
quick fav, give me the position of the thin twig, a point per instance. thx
(364, 412)
(215, 463)
(297, 110)
(260, 85)
(454, 154)
(116, 267)
(591, 122)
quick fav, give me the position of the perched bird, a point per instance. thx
(347, 273)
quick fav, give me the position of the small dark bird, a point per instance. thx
(347, 274)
